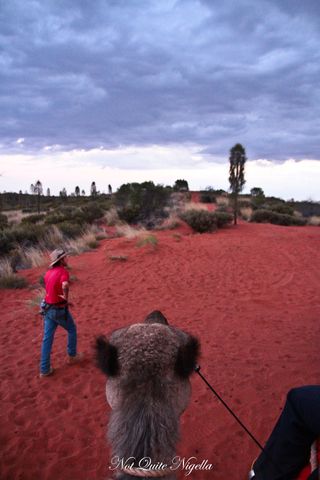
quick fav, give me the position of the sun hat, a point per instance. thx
(57, 255)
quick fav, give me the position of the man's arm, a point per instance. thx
(65, 290)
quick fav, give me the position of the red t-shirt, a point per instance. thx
(53, 282)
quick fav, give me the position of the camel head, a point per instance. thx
(148, 366)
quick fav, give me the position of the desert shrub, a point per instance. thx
(3, 221)
(27, 235)
(200, 221)
(36, 218)
(92, 212)
(54, 218)
(52, 237)
(86, 242)
(8, 279)
(142, 202)
(28, 257)
(129, 232)
(69, 229)
(268, 216)
(307, 208)
(35, 301)
(222, 201)
(111, 217)
(244, 203)
(207, 196)
(314, 220)
(6, 241)
(222, 218)
(129, 214)
(246, 213)
(169, 223)
(282, 208)
(148, 240)
(13, 281)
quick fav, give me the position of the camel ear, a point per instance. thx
(106, 356)
(187, 356)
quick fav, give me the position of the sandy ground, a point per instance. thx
(251, 295)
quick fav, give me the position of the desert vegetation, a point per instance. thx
(33, 224)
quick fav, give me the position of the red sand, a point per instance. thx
(251, 294)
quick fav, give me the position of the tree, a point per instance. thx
(37, 190)
(48, 192)
(181, 186)
(77, 191)
(258, 198)
(83, 193)
(236, 175)
(93, 189)
(63, 192)
(256, 192)
(109, 189)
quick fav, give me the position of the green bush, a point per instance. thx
(3, 221)
(282, 208)
(142, 202)
(200, 221)
(81, 215)
(36, 218)
(92, 212)
(268, 216)
(223, 218)
(69, 229)
(6, 241)
(129, 214)
(207, 196)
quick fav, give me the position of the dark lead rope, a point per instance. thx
(197, 369)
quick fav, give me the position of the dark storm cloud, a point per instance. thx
(81, 74)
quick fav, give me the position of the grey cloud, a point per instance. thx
(115, 73)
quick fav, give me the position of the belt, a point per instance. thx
(56, 305)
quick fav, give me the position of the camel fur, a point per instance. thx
(148, 367)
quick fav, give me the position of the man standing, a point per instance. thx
(57, 312)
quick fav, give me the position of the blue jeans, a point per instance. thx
(53, 318)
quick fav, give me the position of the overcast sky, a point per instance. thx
(122, 90)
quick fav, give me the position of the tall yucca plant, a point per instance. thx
(236, 175)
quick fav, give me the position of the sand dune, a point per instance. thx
(251, 294)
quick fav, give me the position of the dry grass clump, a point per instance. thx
(169, 223)
(129, 232)
(246, 213)
(222, 201)
(314, 220)
(52, 238)
(194, 206)
(8, 279)
(111, 217)
(32, 257)
(15, 216)
(35, 301)
(148, 240)
(86, 242)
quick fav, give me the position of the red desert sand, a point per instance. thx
(251, 295)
